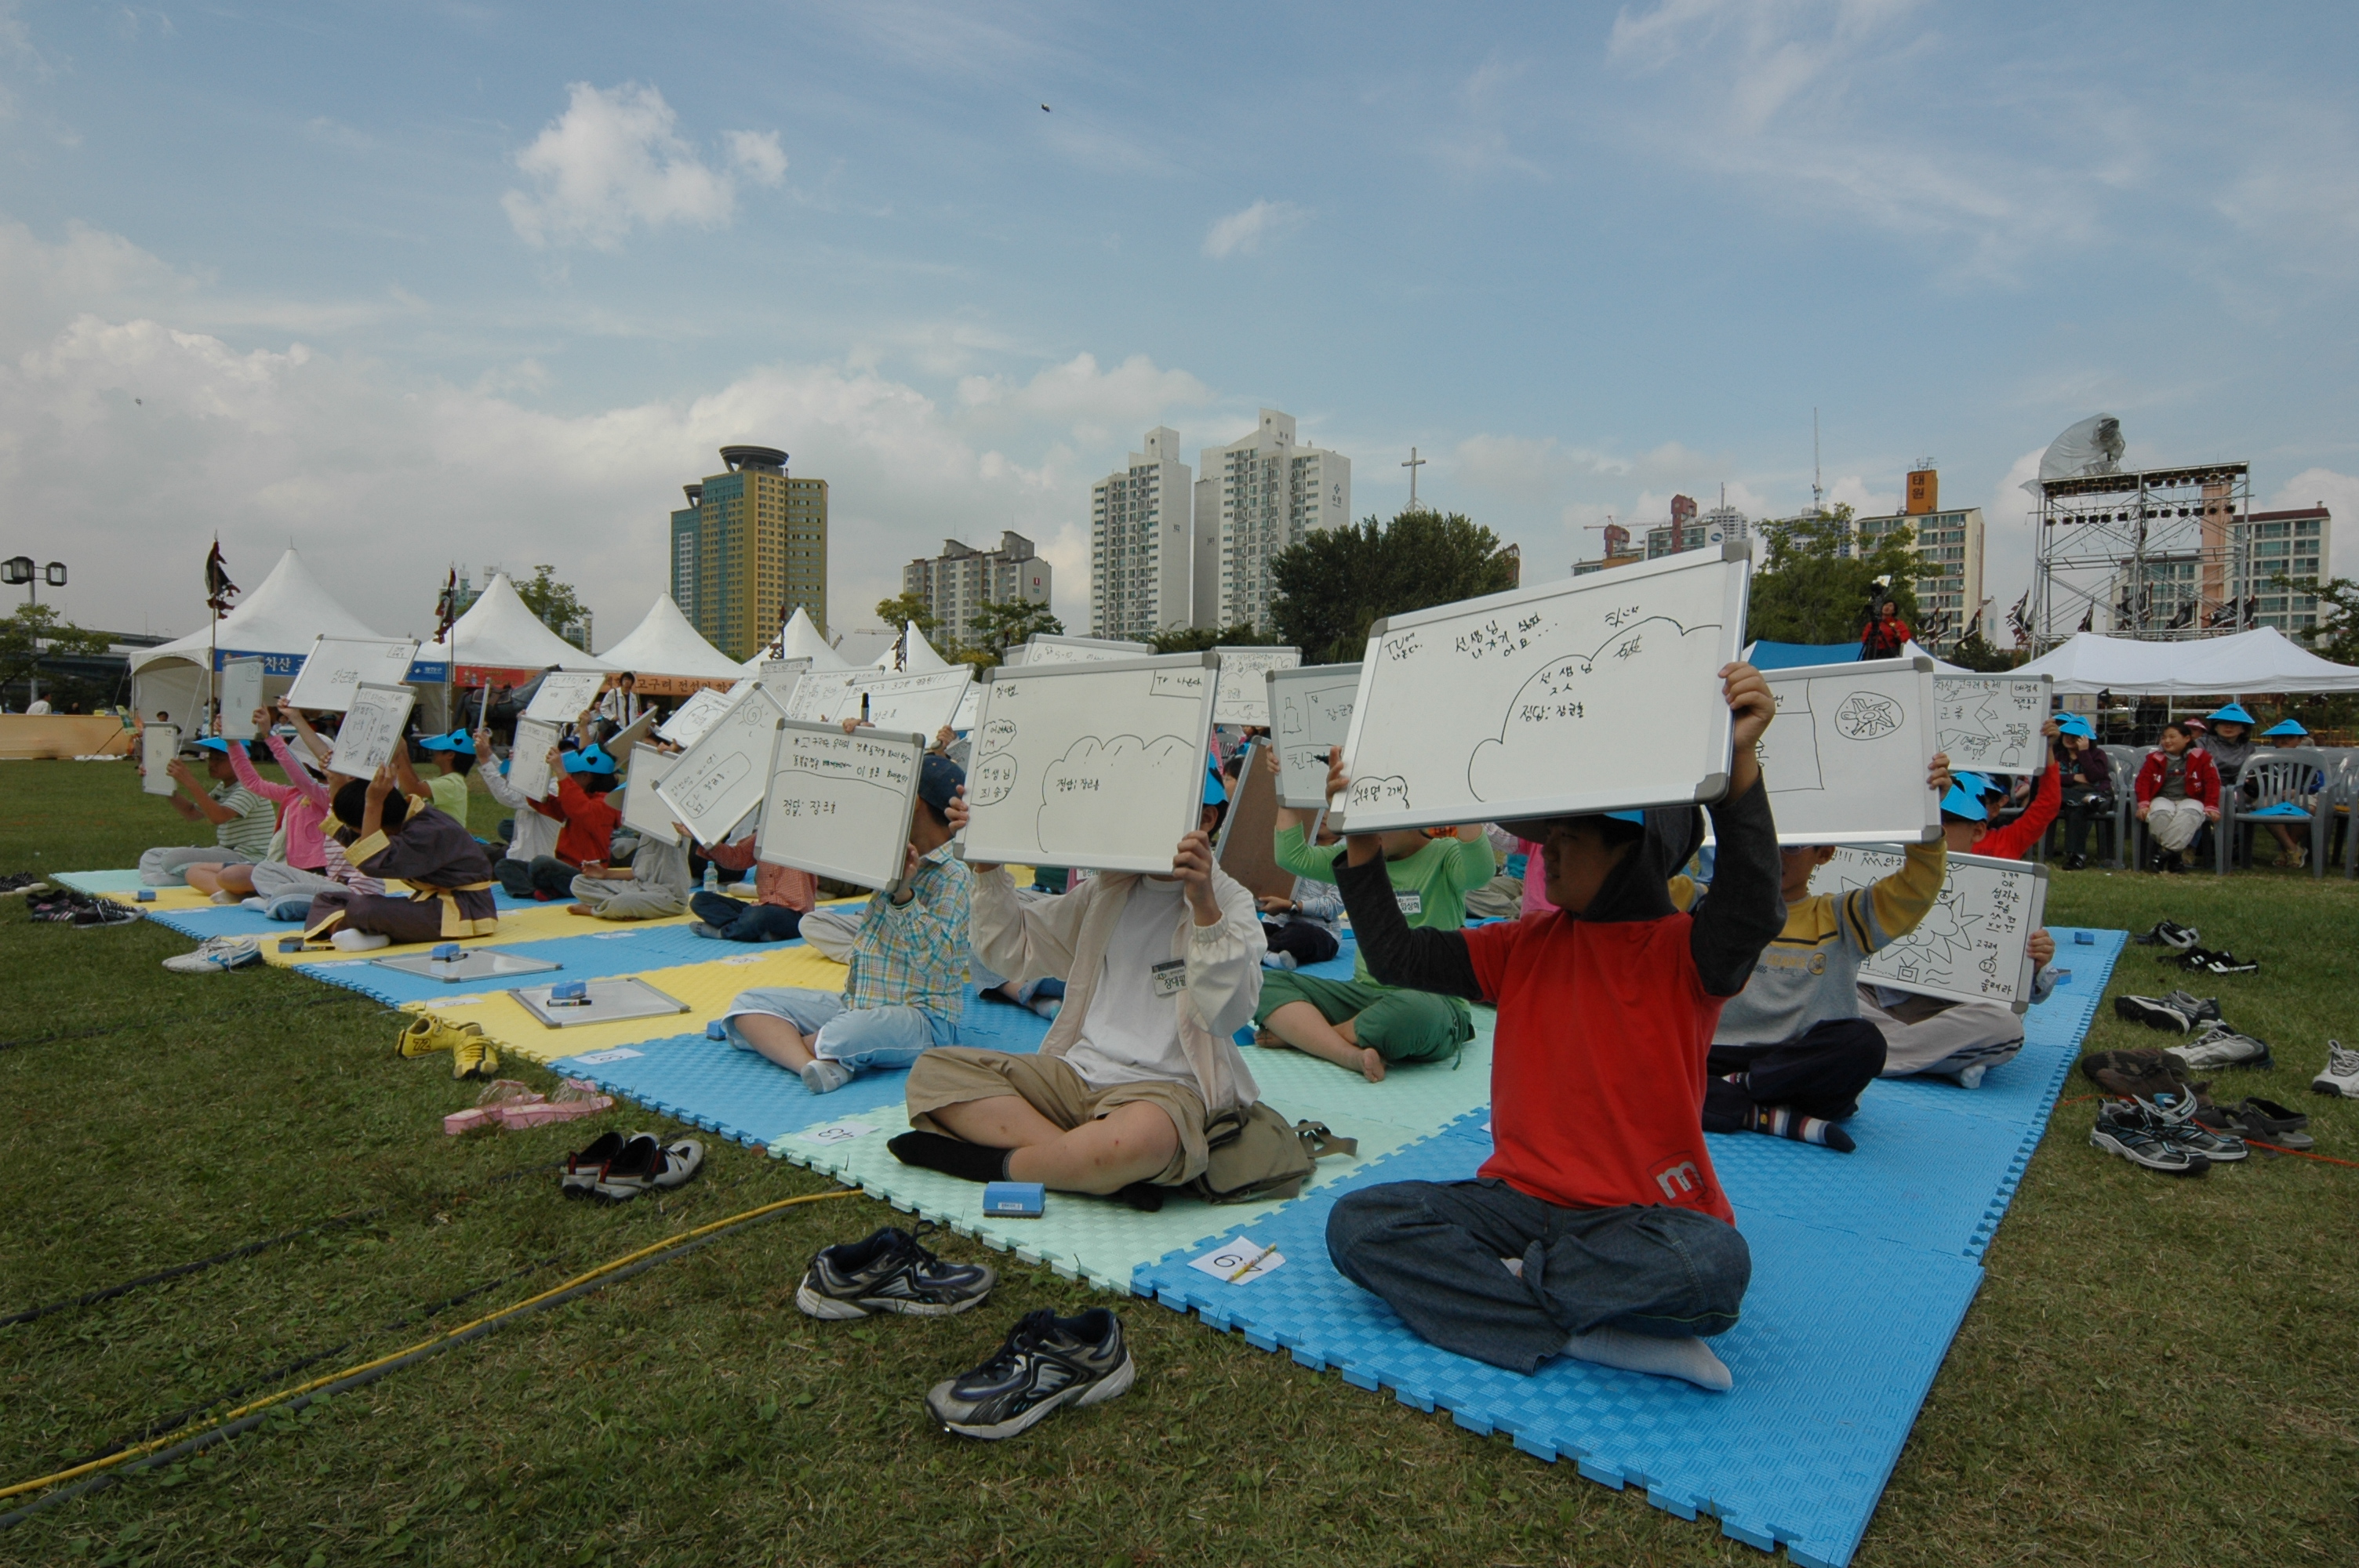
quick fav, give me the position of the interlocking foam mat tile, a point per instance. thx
(1419, 1096)
(1842, 1337)
(596, 953)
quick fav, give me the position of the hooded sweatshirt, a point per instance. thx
(1605, 1018)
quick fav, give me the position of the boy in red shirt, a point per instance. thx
(587, 837)
(1597, 1229)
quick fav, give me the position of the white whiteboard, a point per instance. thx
(825, 696)
(1974, 944)
(644, 811)
(1846, 757)
(1098, 766)
(779, 674)
(1044, 648)
(373, 724)
(337, 664)
(921, 704)
(563, 694)
(241, 694)
(839, 805)
(694, 717)
(158, 744)
(1310, 711)
(1991, 723)
(1596, 692)
(717, 780)
(528, 771)
(970, 704)
(1244, 696)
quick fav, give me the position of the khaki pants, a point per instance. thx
(2173, 824)
(957, 1075)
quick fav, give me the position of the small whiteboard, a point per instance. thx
(1046, 648)
(336, 666)
(158, 744)
(826, 696)
(970, 704)
(1974, 944)
(694, 717)
(1846, 757)
(1098, 766)
(717, 780)
(779, 674)
(602, 1001)
(563, 694)
(373, 727)
(528, 771)
(643, 812)
(1596, 692)
(1244, 696)
(921, 704)
(1990, 724)
(241, 694)
(1311, 712)
(840, 805)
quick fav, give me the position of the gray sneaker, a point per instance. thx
(2175, 1123)
(2341, 1074)
(1046, 1364)
(2131, 1128)
(2220, 1046)
(2202, 1010)
(217, 954)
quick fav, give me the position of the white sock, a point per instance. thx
(360, 941)
(822, 1076)
(1689, 1360)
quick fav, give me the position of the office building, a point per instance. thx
(1949, 603)
(1142, 567)
(2292, 545)
(1255, 497)
(749, 549)
(957, 584)
(1689, 530)
(1618, 552)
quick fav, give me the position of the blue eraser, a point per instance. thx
(1023, 1200)
(2085, 938)
(146, 895)
(2062, 977)
(290, 944)
(568, 991)
(716, 1030)
(447, 951)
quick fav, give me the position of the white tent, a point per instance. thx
(668, 656)
(2256, 662)
(501, 641)
(922, 658)
(1942, 666)
(278, 622)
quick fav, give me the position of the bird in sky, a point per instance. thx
(1044, 109)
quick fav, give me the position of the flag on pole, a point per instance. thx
(446, 605)
(219, 590)
(2018, 618)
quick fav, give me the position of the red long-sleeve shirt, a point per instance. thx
(590, 823)
(2009, 842)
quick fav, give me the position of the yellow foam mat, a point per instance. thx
(166, 898)
(535, 924)
(706, 988)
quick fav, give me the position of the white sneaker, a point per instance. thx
(822, 1076)
(222, 896)
(217, 954)
(360, 941)
(2219, 1046)
(2341, 1075)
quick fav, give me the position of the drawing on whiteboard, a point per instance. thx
(1991, 724)
(698, 796)
(992, 779)
(1552, 698)
(371, 730)
(1087, 793)
(1866, 716)
(1962, 937)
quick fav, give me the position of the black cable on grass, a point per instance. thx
(231, 1255)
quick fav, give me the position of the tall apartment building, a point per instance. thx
(1951, 542)
(1689, 530)
(2293, 546)
(959, 581)
(749, 549)
(1142, 568)
(1253, 498)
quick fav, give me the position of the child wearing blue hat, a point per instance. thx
(2087, 780)
(586, 835)
(2287, 735)
(242, 822)
(454, 757)
(2228, 738)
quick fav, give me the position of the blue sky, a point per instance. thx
(410, 284)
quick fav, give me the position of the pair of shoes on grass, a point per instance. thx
(63, 907)
(1046, 1364)
(2164, 1135)
(2259, 1120)
(2169, 934)
(2341, 1074)
(217, 956)
(2206, 961)
(619, 1168)
(472, 1053)
(2179, 1011)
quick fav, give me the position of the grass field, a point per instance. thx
(2157, 1371)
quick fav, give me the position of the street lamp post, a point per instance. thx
(20, 569)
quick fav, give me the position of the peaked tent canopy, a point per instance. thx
(499, 641)
(920, 659)
(802, 640)
(667, 655)
(2261, 660)
(276, 623)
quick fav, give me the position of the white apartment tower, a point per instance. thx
(1255, 497)
(1141, 574)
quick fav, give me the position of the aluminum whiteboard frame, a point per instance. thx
(323, 683)
(2039, 747)
(2035, 917)
(1097, 650)
(534, 999)
(406, 703)
(527, 760)
(475, 964)
(818, 866)
(753, 694)
(160, 745)
(870, 681)
(1712, 781)
(707, 712)
(1246, 691)
(1204, 743)
(1336, 674)
(835, 694)
(1872, 834)
(645, 781)
(236, 716)
(553, 682)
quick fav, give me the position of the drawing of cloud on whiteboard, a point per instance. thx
(996, 734)
(991, 779)
(1089, 792)
(1381, 794)
(1551, 710)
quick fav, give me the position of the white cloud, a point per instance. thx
(1852, 490)
(1242, 233)
(1095, 407)
(613, 160)
(757, 153)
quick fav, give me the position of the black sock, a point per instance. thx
(1144, 1196)
(951, 1156)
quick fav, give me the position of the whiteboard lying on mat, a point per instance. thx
(1846, 757)
(920, 703)
(644, 811)
(1244, 696)
(717, 780)
(1974, 944)
(563, 694)
(694, 717)
(839, 805)
(241, 694)
(1093, 765)
(1310, 711)
(372, 729)
(335, 666)
(1044, 648)
(1596, 692)
(528, 770)
(1991, 723)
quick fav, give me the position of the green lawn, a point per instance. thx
(2157, 1371)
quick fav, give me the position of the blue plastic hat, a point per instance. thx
(2284, 727)
(1963, 804)
(1215, 791)
(2232, 714)
(1637, 817)
(1976, 785)
(2073, 724)
(213, 744)
(588, 760)
(458, 741)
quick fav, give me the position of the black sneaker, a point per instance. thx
(2179, 1123)
(2169, 934)
(2128, 1127)
(889, 1271)
(1046, 1363)
(2223, 962)
(2154, 1011)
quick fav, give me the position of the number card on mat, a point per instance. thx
(1310, 711)
(717, 780)
(1974, 944)
(372, 729)
(839, 805)
(336, 667)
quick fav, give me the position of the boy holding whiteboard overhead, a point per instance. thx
(1597, 1229)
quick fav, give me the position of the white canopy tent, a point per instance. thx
(2261, 660)
(668, 656)
(277, 623)
(920, 659)
(802, 640)
(501, 642)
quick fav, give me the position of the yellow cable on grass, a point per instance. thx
(574, 1284)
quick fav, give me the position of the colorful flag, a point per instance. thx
(446, 605)
(219, 590)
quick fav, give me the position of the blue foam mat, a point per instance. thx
(617, 949)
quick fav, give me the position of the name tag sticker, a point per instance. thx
(1412, 905)
(1171, 977)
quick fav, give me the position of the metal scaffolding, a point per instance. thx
(2164, 554)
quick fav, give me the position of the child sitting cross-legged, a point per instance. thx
(387, 835)
(1597, 1229)
(242, 822)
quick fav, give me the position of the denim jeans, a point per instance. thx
(867, 1039)
(738, 921)
(1432, 1251)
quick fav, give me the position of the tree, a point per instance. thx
(1002, 624)
(1338, 582)
(22, 635)
(1197, 639)
(1976, 652)
(553, 604)
(1808, 591)
(898, 611)
(2336, 635)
